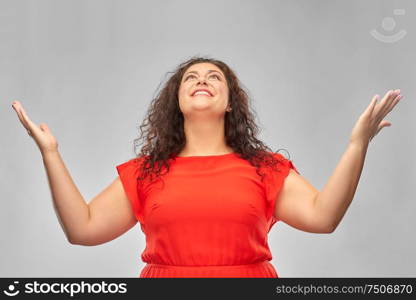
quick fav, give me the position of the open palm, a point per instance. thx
(372, 120)
(41, 134)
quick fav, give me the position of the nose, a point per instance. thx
(202, 79)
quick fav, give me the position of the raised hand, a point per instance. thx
(372, 120)
(41, 134)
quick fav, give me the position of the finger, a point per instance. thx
(27, 119)
(16, 107)
(394, 103)
(381, 110)
(396, 96)
(387, 97)
(370, 107)
(32, 127)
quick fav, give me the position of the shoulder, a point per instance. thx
(280, 163)
(131, 165)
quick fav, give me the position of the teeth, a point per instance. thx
(201, 93)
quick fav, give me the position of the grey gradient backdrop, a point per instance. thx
(89, 70)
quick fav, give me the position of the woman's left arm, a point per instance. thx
(334, 199)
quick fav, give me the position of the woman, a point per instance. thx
(221, 191)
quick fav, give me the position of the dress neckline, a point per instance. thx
(206, 156)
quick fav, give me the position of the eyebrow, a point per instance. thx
(209, 71)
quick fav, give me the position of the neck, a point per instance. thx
(205, 138)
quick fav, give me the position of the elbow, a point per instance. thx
(79, 241)
(330, 228)
(73, 241)
(85, 241)
(70, 239)
(320, 228)
(324, 227)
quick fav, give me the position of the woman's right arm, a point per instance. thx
(106, 217)
(70, 207)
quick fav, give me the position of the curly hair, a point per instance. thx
(164, 124)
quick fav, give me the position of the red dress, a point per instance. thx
(208, 218)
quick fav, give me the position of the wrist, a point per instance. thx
(359, 144)
(49, 153)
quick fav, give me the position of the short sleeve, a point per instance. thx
(274, 182)
(128, 173)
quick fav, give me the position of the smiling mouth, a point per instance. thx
(200, 92)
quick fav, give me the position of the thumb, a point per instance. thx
(382, 125)
(44, 127)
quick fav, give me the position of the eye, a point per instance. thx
(189, 76)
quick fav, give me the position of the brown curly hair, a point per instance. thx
(164, 124)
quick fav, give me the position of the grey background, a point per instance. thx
(89, 70)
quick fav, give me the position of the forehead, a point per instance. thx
(203, 67)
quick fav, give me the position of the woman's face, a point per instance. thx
(205, 76)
